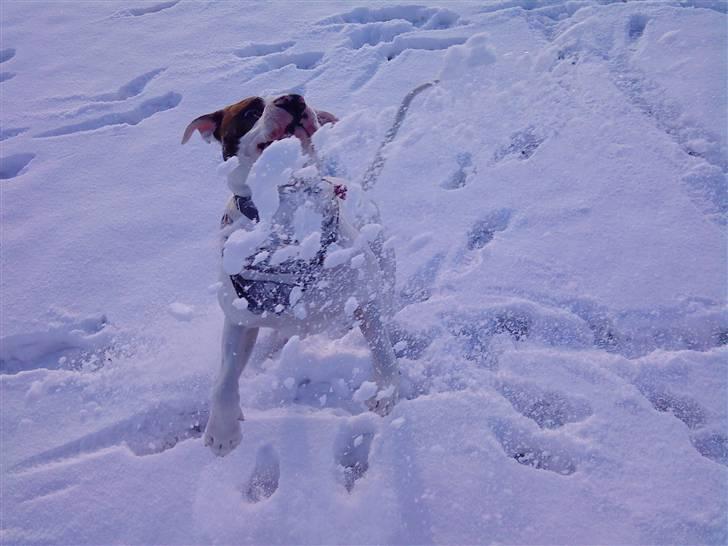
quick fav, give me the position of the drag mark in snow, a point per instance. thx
(14, 165)
(148, 432)
(132, 117)
(154, 8)
(261, 50)
(266, 474)
(6, 54)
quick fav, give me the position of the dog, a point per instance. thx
(324, 293)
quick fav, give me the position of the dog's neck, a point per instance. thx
(237, 179)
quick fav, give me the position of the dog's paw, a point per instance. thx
(222, 433)
(383, 402)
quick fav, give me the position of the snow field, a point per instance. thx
(557, 204)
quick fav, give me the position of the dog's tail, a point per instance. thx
(375, 168)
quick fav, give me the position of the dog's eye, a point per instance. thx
(253, 113)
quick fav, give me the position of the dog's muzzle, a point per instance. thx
(296, 107)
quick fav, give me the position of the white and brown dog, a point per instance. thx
(327, 295)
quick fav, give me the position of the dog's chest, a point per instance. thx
(289, 260)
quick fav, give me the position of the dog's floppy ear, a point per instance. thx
(325, 117)
(208, 126)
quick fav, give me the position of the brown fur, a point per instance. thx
(237, 119)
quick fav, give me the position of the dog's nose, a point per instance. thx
(293, 104)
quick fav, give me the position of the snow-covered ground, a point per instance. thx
(558, 205)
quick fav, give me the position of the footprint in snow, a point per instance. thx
(485, 229)
(418, 287)
(712, 445)
(261, 49)
(130, 89)
(522, 145)
(10, 132)
(6, 54)
(636, 26)
(460, 177)
(475, 332)
(410, 344)
(71, 344)
(683, 408)
(707, 187)
(14, 165)
(325, 394)
(44, 489)
(131, 117)
(307, 60)
(148, 432)
(146, 10)
(418, 16)
(538, 453)
(372, 34)
(352, 455)
(548, 409)
(265, 477)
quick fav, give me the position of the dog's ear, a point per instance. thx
(325, 117)
(208, 126)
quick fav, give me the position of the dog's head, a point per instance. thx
(248, 127)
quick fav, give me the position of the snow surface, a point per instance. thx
(558, 208)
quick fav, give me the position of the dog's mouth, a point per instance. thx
(290, 130)
(263, 145)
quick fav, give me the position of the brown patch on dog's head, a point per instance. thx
(228, 125)
(237, 120)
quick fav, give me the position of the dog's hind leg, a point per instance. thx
(386, 370)
(268, 347)
(222, 433)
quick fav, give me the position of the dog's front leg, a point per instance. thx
(222, 433)
(386, 371)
